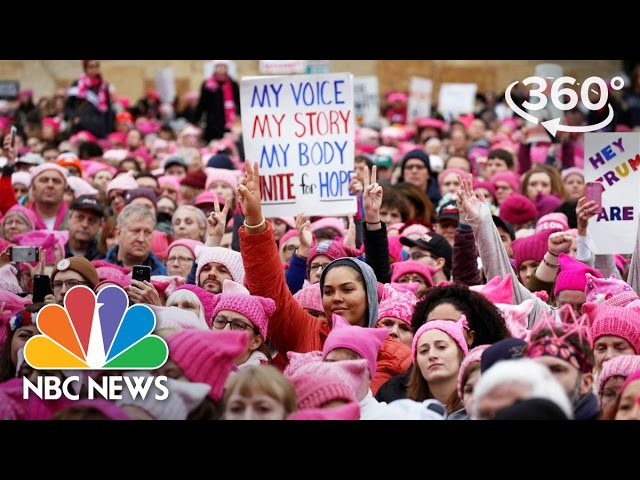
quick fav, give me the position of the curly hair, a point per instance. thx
(483, 316)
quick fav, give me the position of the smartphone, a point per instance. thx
(41, 287)
(141, 273)
(12, 137)
(593, 192)
(24, 254)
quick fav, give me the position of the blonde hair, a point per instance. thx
(266, 379)
(186, 295)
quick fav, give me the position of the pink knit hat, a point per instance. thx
(187, 243)
(27, 213)
(329, 222)
(517, 317)
(80, 187)
(615, 321)
(532, 247)
(350, 372)
(556, 221)
(454, 329)
(609, 291)
(35, 171)
(91, 167)
(497, 290)
(631, 378)
(395, 246)
(571, 171)
(517, 209)
(122, 182)
(398, 269)
(205, 297)
(416, 229)
(310, 297)
(486, 185)
(44, 238)
(297, 360)
(23, 178)
(348, 411)
(364, 341)
(398, 305)
(546, 204)
(474, 356)
(9, 280)
(331, 249)
(572, 274)
(236, 298)
(172, 181)
(455, 170)
(222, 174)
(314, 391)
(511, 178)
(620, 366)
(207, 356)
(174, 317)
(10, 305)
(225, 256)
(287, 235)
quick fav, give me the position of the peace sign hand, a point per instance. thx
(372, 197)
(249, 195)
(216, 222)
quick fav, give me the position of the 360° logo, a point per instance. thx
(557, 93)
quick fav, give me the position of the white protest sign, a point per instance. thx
(366, 99)
(457, 99)
(300, 129)
(282, 67)
(166, 85)
(613, 160)
(420, 91)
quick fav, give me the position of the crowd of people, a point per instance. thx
(465, 286)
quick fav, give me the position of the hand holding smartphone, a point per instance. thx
(41, 287)
(23, 254)
(12, 136)
(593, 192)
(141, 273)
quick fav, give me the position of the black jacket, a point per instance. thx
(212, 105)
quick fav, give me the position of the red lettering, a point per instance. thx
(278, 187)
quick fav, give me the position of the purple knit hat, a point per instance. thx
(620, 366)
(454, 329)
(517, 209)
(609, 291)
(207, 356)
(310, 297)
(474, 355)
(615, 321)
(572, 274)
(364, 341)
(532, 247)
(236, 298)
(205, 297)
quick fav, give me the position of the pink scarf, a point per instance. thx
(40, 225)
(229, 104)
(86, 83)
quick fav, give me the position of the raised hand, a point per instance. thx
(303, 226)
(350, 235)
(216, 223)
(584, 211)
(8, 150)
(470, 202)
(559, 242)
(249, 196)
(372, 198)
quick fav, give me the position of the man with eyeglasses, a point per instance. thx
(133, 240)
(70, 272)
(434, 250)
(84, 223)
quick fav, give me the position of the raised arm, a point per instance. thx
(376, 245)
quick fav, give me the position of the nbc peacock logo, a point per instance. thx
(96, 332)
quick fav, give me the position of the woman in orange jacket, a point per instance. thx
(348, 286)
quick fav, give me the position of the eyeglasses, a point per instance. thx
(220, 323)
(69, 284)
(504, 187)
(180, 259)
(316, 266)
(412, 277)
(419, 255)
(291, 248)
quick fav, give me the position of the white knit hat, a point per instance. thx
(183, 397)
(225, 256)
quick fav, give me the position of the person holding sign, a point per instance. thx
(348, 286)
(219, 101)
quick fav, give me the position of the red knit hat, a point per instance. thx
(236, 298)
(364, 341)
(207, 356)
(572, 274)
(518, 209)
(615, 321)
(532, 247)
